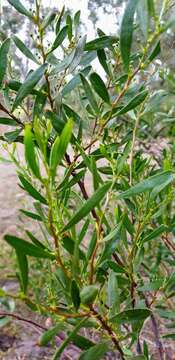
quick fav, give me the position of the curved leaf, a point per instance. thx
(59, 147)
(100, 87)
(131, 316)
(89, 94)
(59, 38)
(29, 84)
(89, 205)
(25, 50)
(27, 248)
(23, 266)
(20, 8)
(163, 178)
(4, 49)
(31, 190)
(133, 103)
(101, 43)
(30, 154)
(96, 352)
(126, 32)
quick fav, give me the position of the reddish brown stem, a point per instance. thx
(109, 330)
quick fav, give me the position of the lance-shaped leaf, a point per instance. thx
(101, 43)
(96, 352)
(103, 60)
(133, 103)
(78, 53)
(48, 20)
(89, 205)
(31, 190)
(57, 29)
(131, 316)
(59, 147)
(59, 38)
(75, 294)
(100, 87)
(89, 94)
(155, 52)
(7, 121)
(24, 49)
(23, 267)
(20, 8)
(163, 178)
(31, 81)
(48, 335)
(30, 154)
(4, 49)
(69, 26)
(27, 248)
(127, 32)
(75, 81)
(35, 240)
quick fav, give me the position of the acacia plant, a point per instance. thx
(100, 207)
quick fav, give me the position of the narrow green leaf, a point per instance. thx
(155, 52)
(59, 38)
(68, 340)
(48, 335)
(88, 57)
(169, 336)
(23, 266)
(69, 245)
(88, 294)
(78, 54)
(8, 121)
(12, 136)
(35, 240)
(77, 21)
(31, 190)
(155, 233)
(82, 342)
(20, 8)
(25, 50)
(100, 87)
(48, 20)
(29, 84)
(89, 94)
(62, 65)
(69, 26)
(127, 32)
(96, 352)
(27, 248)
(30, 154)
(4, 49)
(89, 205)
(75, 81)
(70, 113)
(31, 215)
(101, 43)
(75, 294)
(133, 103)
(59, 147)
(131, 316)
(59, 20)
(151, 286)
(103, 60)
(113, 294)
(165, 177)
(57, 122)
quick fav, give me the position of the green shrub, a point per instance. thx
(105, 243)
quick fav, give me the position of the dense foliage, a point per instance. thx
(101, 199)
